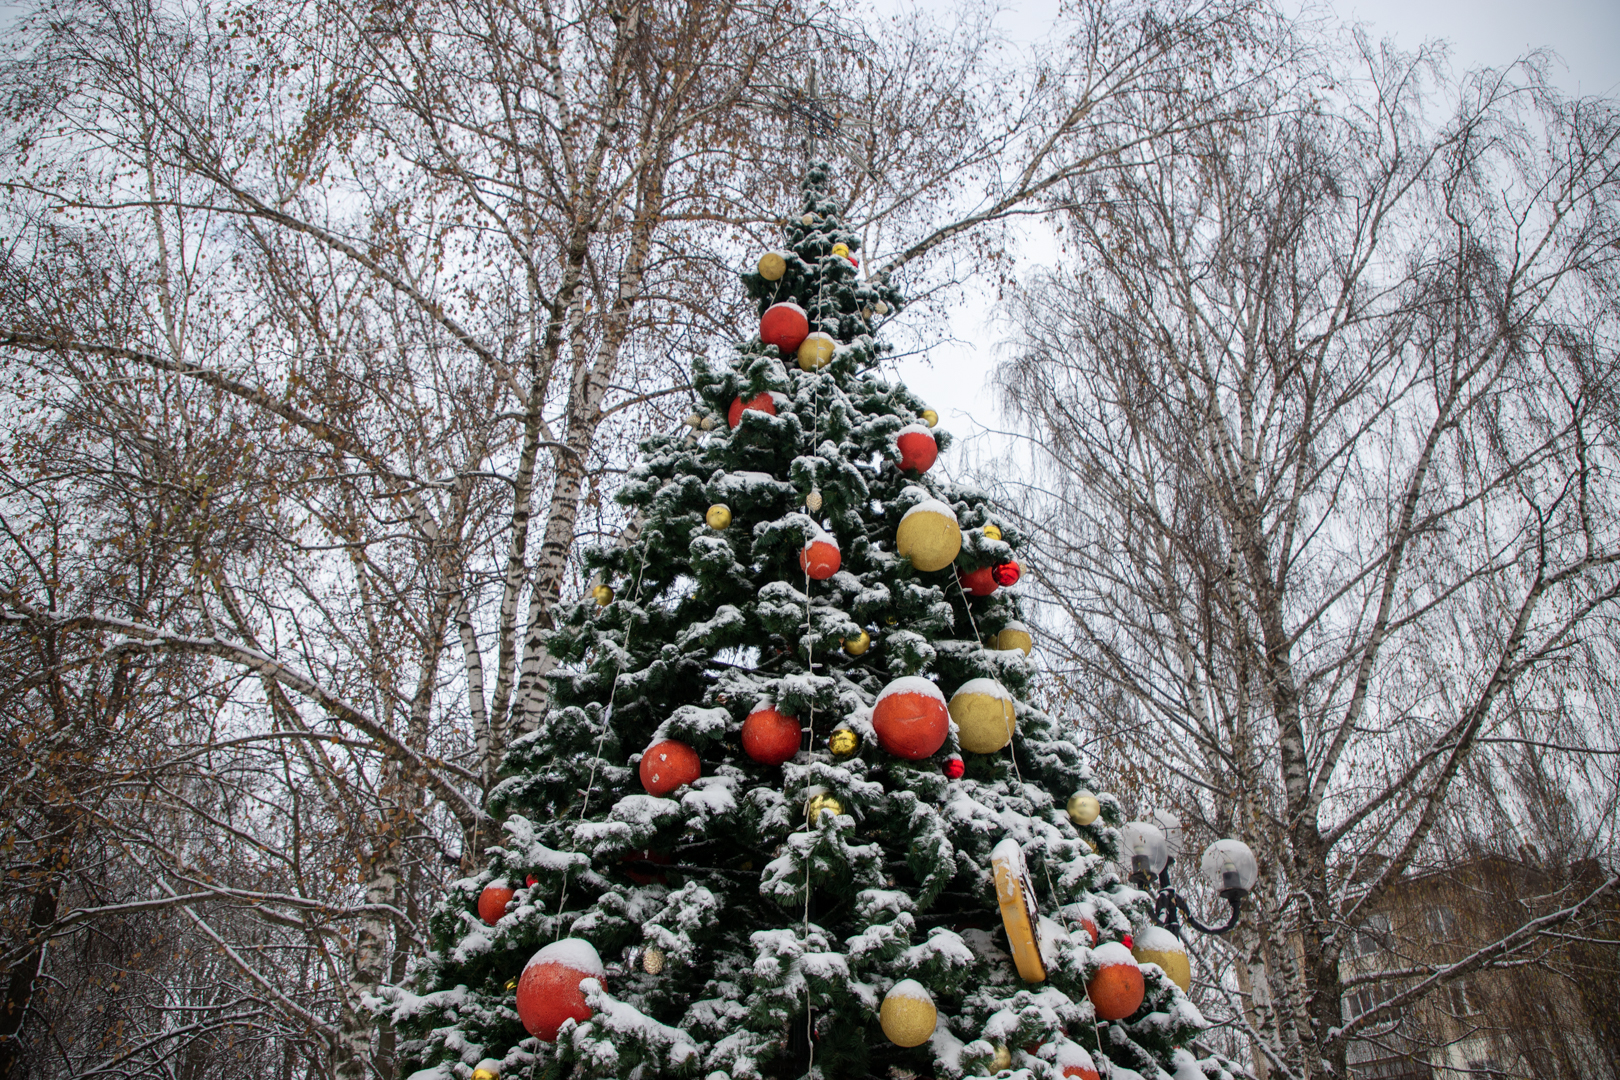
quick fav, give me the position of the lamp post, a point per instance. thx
(1228, 865)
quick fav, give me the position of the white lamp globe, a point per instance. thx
(1170, 825)
(1229, 865)
(1145, 846)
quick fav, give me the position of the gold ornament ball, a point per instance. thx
(485, 1074)
(881, 307)
(908, 1015)
(1083, 808)
(816, 351)
(823, 803)
(1002, 1060)
(808, 220)
(984, 716)
(719, 516)
(1161, 947)
(707, 424)
(603, 595)
(857, 645)
(843, 743)
(841, 250)
(772, 266)
(929, 536)
(930, 417)
(1014, 636)
(890, 620)
(652, 960)
(812, 501)
(992, 533)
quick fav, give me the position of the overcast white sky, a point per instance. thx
(1584, 33)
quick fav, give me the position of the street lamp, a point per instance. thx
(1228, 865)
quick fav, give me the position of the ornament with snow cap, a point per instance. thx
(548, 992)
(929, 536)
(667, 765)
(816, 351)
(1073, 1063)
(768, 736)
(493, 900)
(1116, 989)
(1156, 945)
(820, 557)
(784, 325)
(1015, 635)
(984, 715)
(908, 1015)
(918, 449)
(1019, 916)
(759, 402)
(484, 1072)
(910, 718)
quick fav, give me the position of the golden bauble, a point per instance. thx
(694, 421)
(808, 220)
(908, 1015)
(1002, 1060)
(772, 266)
(1013, 636)
(1084, 808)
(812, 501)
(992, 533)
(1159, 946)
(816, 351)
(718, 516)
(843, 743)
(929, 536)
(930, 417)
(652, 960)
(857, 645)
(890, 620)
(822, 803)
(882, 308)
(707, 424)
(984, 715)
(603, 595)
(485, 1074)
(841, 250)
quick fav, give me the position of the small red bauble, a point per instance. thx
(1116, 990)
(492, 901)
(1089, 927)
(761, 402)
(1127, 942)
(918, 450)
(769, 737)
(980, 582)
(785, 326)
(1007, 573)
(641, 875)
(548, 992)
(954, 768)
(820, 558)
(910, 718)
(531, 881)
(667, 765)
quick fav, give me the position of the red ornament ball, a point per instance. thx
(1127, 942)
(1116, 990)
(980, 582)
(785, 326)
(761, 402)
(1090, 927)
(531, 881)
(1074, 1063)
(667, 765)
(918, 450)
(769, 737)
(642, 875)
(492, 901)
(910, 718)
(548, 992)
(1007, 573)
(820, 558)
(954, 768)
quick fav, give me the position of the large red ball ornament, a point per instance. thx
(980, 582)
(548, 992)
(492, 901)
(910, 718)
(820, 558)
(769, 737)
(1116, 990)
(784, 325)
(1007, 573)
(761, 402)
(667, 765)
(918, 450)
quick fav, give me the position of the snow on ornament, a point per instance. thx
(816, 351)
(548, 993)
(768, 736)
(772, 265)
(1016, 899)
(908, 1015)
(820, 557)
(1116, 989)
(984, 715)
(978, 582)
(759, 402)
(910, 718)
(929, 536)
(1015, 635)
(493, 900)
(784, 325)
(667, 765)
(918, 450)
(1159, 946)
(1073, 1063)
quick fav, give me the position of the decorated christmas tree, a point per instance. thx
(791, 812)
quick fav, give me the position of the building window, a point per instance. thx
(1370, 937)
(1441, 923)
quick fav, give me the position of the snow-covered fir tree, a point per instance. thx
(670, 902)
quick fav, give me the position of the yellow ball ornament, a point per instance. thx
(857, 645)
(822, 803)
(930, 417)
(652, 960)
(983, 711)
(481, 1073)
(1002, 1060)
(772, 266)
(816, 351)
(843, 743)
(808, 220)
(929, 536)
(992, 533)
(1015, 635)
(1156, 945)
(908, 1015)
(1083, 808)
(603, 595)
(841, 250)
(719, 516)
